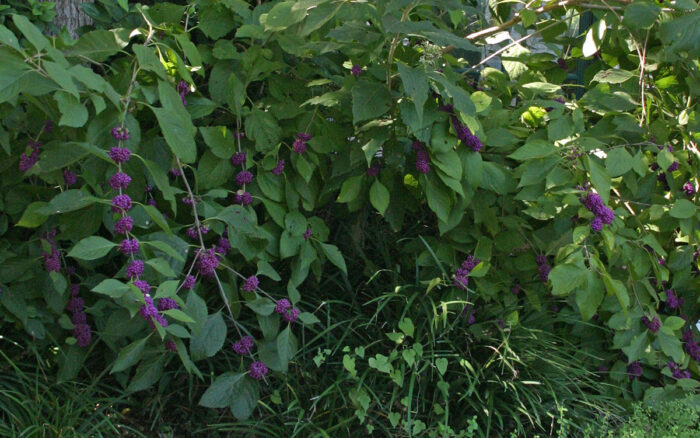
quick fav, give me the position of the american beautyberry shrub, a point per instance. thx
(260, 144)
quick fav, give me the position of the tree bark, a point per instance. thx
(70, 16)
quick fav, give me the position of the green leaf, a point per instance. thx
(308, 318)
(73, 113)
(369, 101)
(98, 45)
(32, 218)
(619, 162)
(683, 209)
(157, 217)
(91, 248)
(31, 32)
(62, 77)
(379, 197)
(640, 15)
(589, 298)
(616, 287)
(295, 223)
(8, 38)
(565, 278)
(534, 149)
(148, 60)
(542, 87)
(235, 391)
(162, 266)
(406, 326)
(674, 322)
(220, 140)
(636, 348)
(350, 189)
(670, 345)
(212, 171)
(415, 82)
(180, 315)
(283, 15)
(613, 76)
(286, 345)
(167, 249)
(441, 365)
(263, 128)
(599, 178)
(335, 257)
(528, 16)
(147, 374)
(112, 288)
(129, 355)
(262, 306)
(594, 38)
(210, 340)
(175, 123)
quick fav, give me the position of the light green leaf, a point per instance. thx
(32, 218)
(91, 248)
(350, 189)
(129, 355)
(73, 113)
(641, 15)
(176, 124)
(369, 101)
(379, 196)
(112, 288)
(335, 256)
(210, 340)
(415, 82)
(619, 162)
(683, 209)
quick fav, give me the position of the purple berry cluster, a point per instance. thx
(51, 259)
(374, 169)
(76, 306)
(543, 268)
(652, 324)
(120, 133)
(243, 198)
(673, 301)
(356, 70)
(463, 133)
(690, 346)
(251, 284)
(188, 283)
(634, 370)
(279, 168)
(461, 280)
(69, 177)
(422, 158)
(26, 162)
(284, 308)
(244, 346)
(258, 370)
(183, 89)
(689, 189)
(238, 158)
(677, 372)
(148, 311)
(308, 233)
(603, 214)
(299, 145)
(207, 262)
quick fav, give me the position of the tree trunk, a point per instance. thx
(70, 16)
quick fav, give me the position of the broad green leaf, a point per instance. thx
(111, 287)
(335, 256)
(262, 306)
(350, 189)
(619, 162)
(129, 355)
(175, 123)
(613, 76)
(210, 340)
(599, 178)
(148, 60)
(73, 113)
(369, 101)
(379, 196)
(263, 128)
(91, 248)
(32, 218)
(589, 298)
(99, 45)
(286, 345)
(415, 82)
(283, 15)
(640, 14)
(220, 140)
(534, 149)
(565, 278)
(683, 209)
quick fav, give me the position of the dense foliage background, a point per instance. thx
(316, 217)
